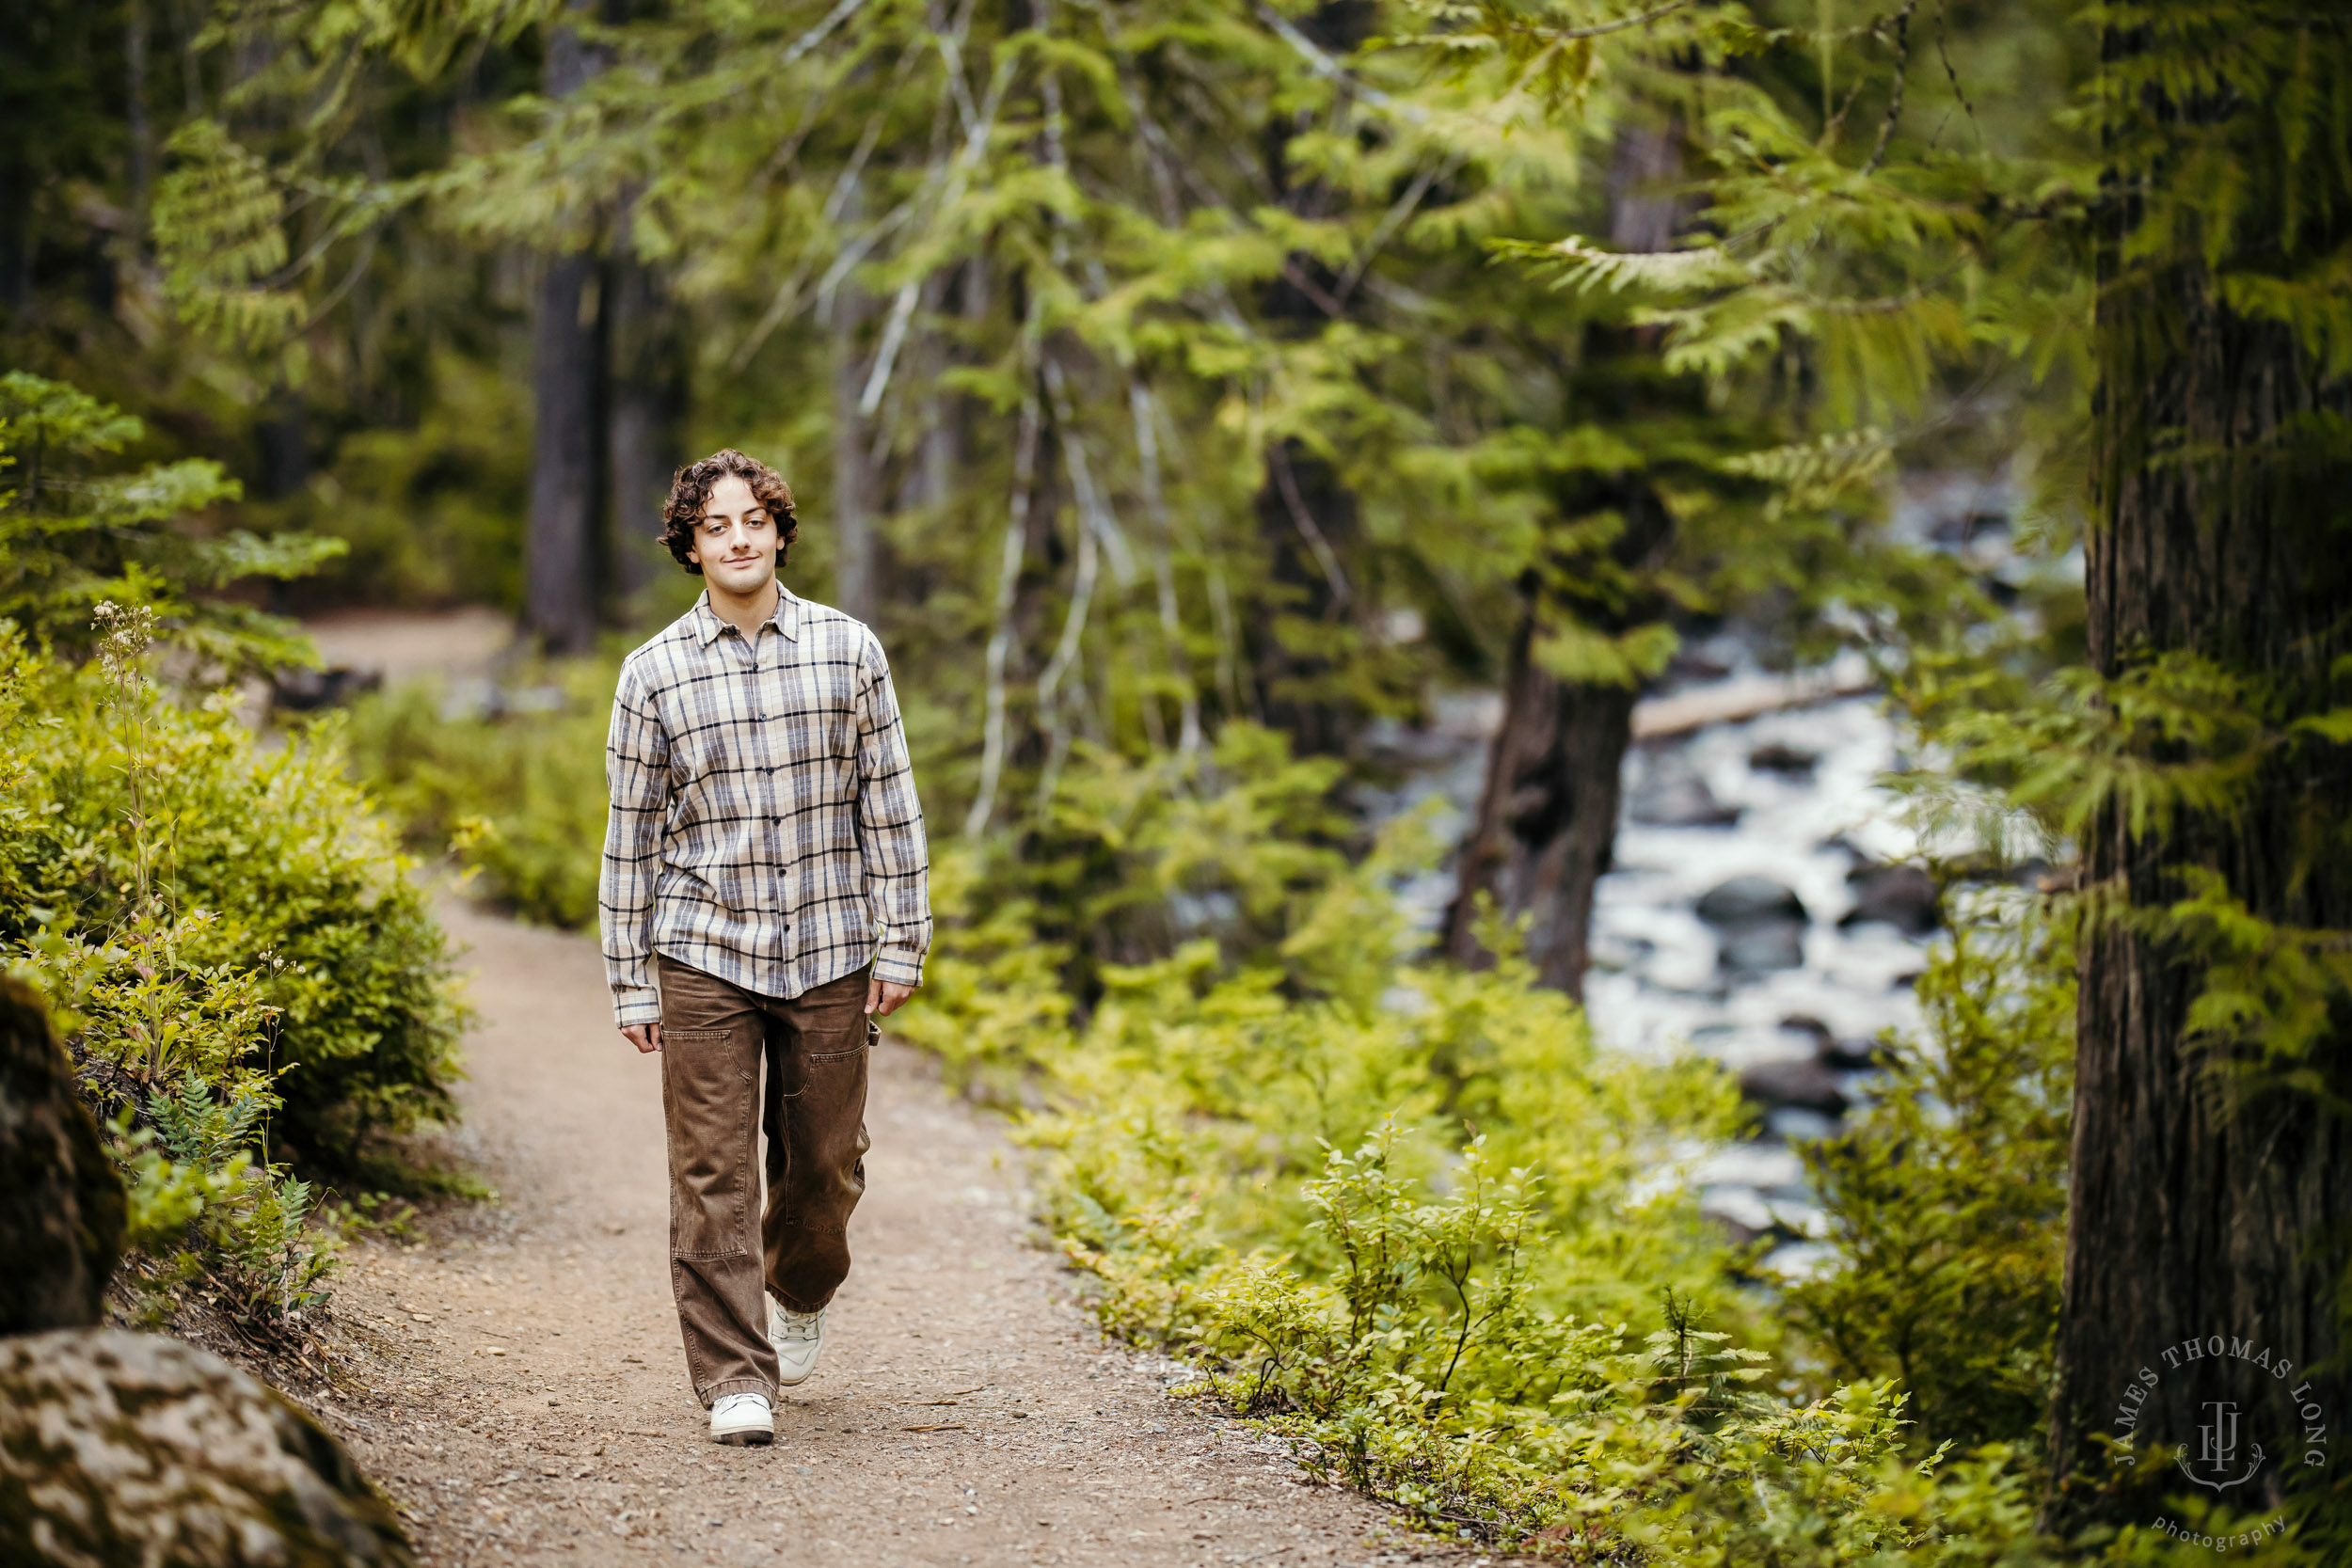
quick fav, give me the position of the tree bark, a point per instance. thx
(567, 372)
(853, 479)
(1307, 519)
(2208, 1197)
(1299, 612)
(137, 122)
(559, 605)
(1548, 817)
(641, 435)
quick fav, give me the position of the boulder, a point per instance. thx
(119, 1449)
(1803, 1082)
(1762, 924)
(1904, 897)
(1669, 793)
(334, 686)
(1748, 900)
(1837, 1054)
(1762, 946)
(1776, 757)
(61, 1202)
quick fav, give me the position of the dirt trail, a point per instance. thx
(529, 1399)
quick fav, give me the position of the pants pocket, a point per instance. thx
(707, 1094)
(873, 1036)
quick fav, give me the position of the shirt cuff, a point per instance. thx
(899, 969)
(636, 1005)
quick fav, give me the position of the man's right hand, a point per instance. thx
(646, 1037)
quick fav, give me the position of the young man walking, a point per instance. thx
(764, 899)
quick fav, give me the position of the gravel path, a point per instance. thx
(524, 1393)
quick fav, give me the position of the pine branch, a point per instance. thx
(1895, 101)
(1286, 483)
(818, 34)
(1332, 72)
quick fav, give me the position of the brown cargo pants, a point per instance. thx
(714, 1039)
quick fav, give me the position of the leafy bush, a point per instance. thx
(200, 902)
(72, 537)
(237, 956)
(1946, 1195)
(518, 797)
(1413, 1217)
(1409, 1216)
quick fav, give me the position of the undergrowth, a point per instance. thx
(245, 976)
(1411, 1217)
(243, 971)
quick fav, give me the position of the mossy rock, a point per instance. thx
(133, 1450)
(61, 1203)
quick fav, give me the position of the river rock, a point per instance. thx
(1776, 756)
(1803, 1082)
(1762, 924)
(1837, 1054)
(131, 1451)
(1854, 1055)
(61, 1203)
(1670, 794)
(1810, 1029)
(1762, 947)
(1748, 900)
(1904, 897)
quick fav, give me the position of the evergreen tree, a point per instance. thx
(2187, 223)
(2212, 1175)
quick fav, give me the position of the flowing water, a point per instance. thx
(1789, 998)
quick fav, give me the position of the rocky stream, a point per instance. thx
(1766, 908)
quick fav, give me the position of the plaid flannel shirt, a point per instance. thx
(764, 827)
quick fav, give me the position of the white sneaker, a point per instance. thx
(740, 1418)
(799, 1338)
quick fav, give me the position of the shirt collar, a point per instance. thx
(787, 618)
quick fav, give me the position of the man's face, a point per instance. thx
(735, 543)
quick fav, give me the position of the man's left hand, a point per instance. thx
(884, 997)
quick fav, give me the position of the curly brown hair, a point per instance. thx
(690, 491)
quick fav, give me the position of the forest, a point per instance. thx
(1635, 715)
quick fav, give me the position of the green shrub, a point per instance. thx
(1410, 1216)
(519, 799)
(1946, 1195)
(205, 1210)
(238, 958)
(75, 533)
(1407, 1215)
(171, 882)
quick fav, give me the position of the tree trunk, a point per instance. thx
(1299, 639)
(140, 127)
(2210, 1203)
(560, 606)
(1307, 519)
(1548, 817)
(642, 438)
(567, 371)
(852, 509)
